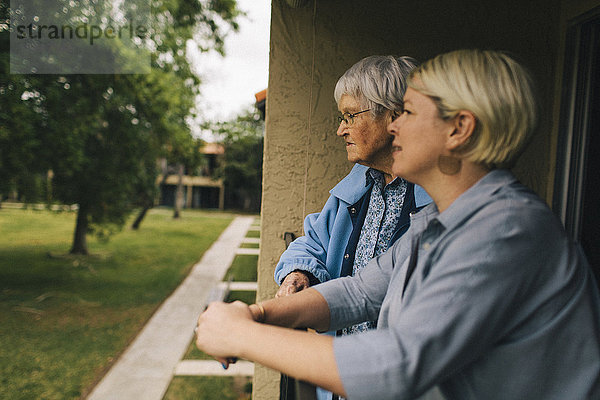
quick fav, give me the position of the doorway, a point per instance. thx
(577, 186)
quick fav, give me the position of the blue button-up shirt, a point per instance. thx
(488, 299)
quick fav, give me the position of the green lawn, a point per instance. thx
(64, 319)
(243, 268)
(253, 234)
(209, 388)
(249, 245)
(246, 296)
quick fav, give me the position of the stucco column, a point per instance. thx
(303, 158)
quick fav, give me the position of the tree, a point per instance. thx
(20, 170)
(241, 170)
(184, 153)
(101, 135)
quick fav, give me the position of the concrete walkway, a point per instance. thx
(146, 368)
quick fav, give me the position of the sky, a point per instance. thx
(229, 83)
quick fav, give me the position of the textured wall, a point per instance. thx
(312, 46)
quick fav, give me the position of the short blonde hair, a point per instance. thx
(495, 88)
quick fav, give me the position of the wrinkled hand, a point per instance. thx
(221, 330)
(294, 282)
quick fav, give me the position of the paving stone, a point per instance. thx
(213, 368)
(245, 251)
(243, 286)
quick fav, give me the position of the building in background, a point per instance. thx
(200, 190)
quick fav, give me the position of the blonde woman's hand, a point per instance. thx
(221, 328)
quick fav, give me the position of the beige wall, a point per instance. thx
(312, 46)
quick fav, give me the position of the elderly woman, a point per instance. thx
(369, 209)
(484, 296)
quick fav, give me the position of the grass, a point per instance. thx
(249, 245)
(246, 296)
(209, 388)
(64, 319)
(243, 268)
(253, 234)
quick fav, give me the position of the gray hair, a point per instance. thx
(377, 82)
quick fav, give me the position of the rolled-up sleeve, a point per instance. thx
(358, 298)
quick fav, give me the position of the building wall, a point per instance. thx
(311, 46)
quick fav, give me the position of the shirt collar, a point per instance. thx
(353, 186)
(474, 198)
(376, 176)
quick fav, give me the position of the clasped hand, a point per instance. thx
(221, 328)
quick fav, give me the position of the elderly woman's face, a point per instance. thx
(419, 138)
(367, 141)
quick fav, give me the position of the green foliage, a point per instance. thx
(241, 169)
(20, 121)
(64, 318)
(101, 135)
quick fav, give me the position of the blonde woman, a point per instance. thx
(484, 296)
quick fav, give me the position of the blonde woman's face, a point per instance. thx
(419, 138)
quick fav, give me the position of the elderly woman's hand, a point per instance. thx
(221, 329)
(294, 282)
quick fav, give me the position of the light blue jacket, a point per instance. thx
(322, 248)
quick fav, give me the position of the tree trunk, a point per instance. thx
(81, 228)
(179, 192)
(138, 221)
(150, 201)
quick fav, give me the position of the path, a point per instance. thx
(146, 368)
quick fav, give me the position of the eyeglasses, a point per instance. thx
(348, 118)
